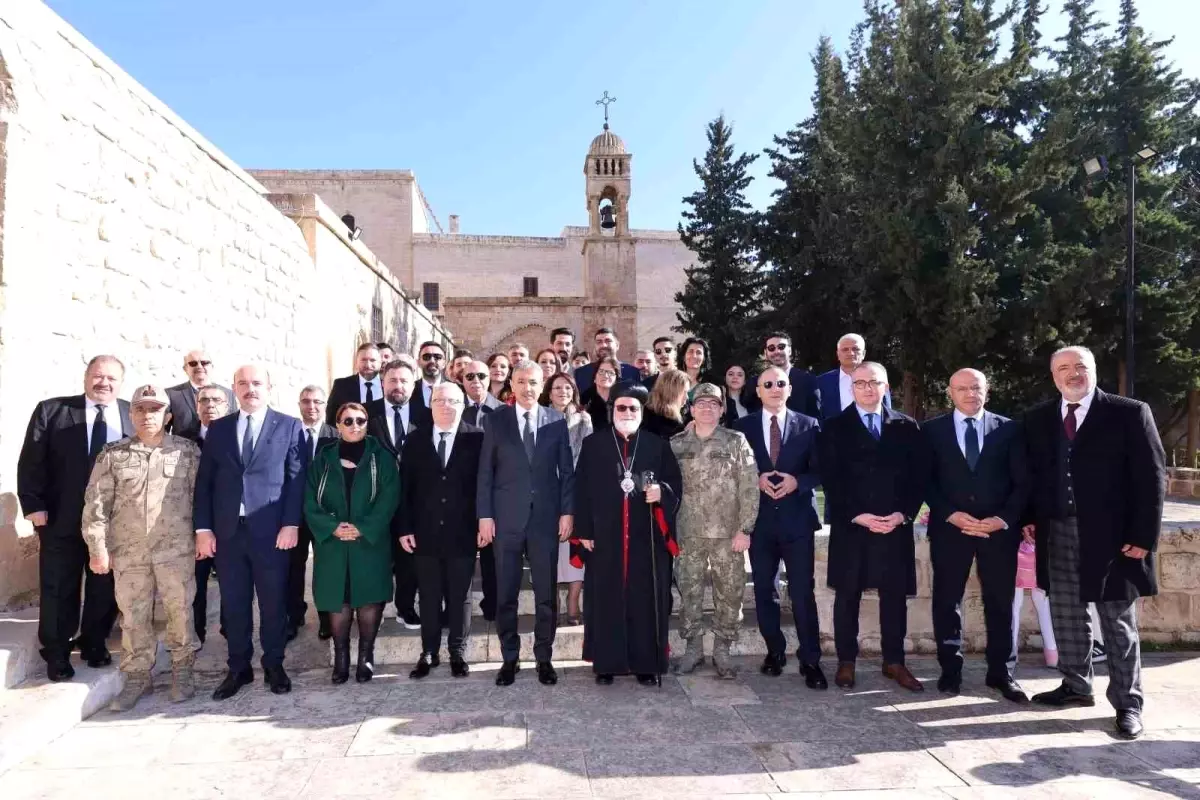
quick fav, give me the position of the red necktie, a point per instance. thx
(776, 440)
(1070, 424)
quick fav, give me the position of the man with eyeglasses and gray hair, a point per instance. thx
(185, 415)
(1098, 478)
(874, 462)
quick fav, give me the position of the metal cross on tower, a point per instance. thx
(605, 101)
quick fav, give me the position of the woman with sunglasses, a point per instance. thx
(498, 370)
(353, 491)
(595, 399)
(548, 360)
(562, 394)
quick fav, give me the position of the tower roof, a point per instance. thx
(607, 144)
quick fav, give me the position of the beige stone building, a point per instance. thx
(491, 290)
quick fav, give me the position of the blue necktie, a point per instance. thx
(248, 441)
(872, 427)
(972, 444)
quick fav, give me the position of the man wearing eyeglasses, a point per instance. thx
(365, 386)
(607, 345)
(805, 398)
(431, 362)
(316, 434)
(836, 385)
(874, 467)
(785, 450)
(185, 418)
(663, 350)
(479, 401)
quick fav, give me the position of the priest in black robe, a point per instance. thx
(628, 487)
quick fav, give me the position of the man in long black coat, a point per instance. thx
(627, 489)
(1099, 483)
(874, 463)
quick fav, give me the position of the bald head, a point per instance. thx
(773, 389)
(968, 391)
(252, 385)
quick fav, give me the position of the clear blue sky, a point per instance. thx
(491, 104)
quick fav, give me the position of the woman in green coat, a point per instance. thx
(353, 490)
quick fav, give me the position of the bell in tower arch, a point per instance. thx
(607, 220)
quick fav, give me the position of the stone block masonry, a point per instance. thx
(124, 231)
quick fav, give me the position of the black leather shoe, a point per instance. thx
(604, 679)
(1129, 723)
(97, 658)
(814, 678)
(546, 674)
(1064, 696)
(324, 631)
(341, 664)
(277, 680)
(425, 664)
(950, 683)
(366, 662)
(508, 673)
(233, 682)
(1008, 688)
(459, 667)
(647, 680)
(59, 671)
(773, 664)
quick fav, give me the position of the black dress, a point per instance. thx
(597, 408)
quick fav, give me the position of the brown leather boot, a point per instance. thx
(844, 677)
(900, 674)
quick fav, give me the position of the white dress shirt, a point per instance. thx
(390, 416)
(376, 388)
(203, 432)
(862, 415)
(766, 425)
(845, 388)
(521, 421)
(1081, 412)
(437, 437)
(960, 429)
(112, 420)
(427, 392)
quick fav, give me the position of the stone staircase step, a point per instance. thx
(18, 646)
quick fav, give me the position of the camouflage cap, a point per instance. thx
(707, 391)
(149, 395)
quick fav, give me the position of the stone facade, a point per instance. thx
(1183, 483)
(124, 231)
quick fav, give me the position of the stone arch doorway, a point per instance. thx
(535, 336)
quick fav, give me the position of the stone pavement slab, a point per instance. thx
(752, 738)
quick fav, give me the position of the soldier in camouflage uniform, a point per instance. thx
(137, 521)
(717, 512)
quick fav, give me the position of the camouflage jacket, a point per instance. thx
(720, 484)
(138, 502)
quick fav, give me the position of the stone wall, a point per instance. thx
(122, 230)
(494, 266)
(1183, 483)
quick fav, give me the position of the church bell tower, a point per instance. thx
(609, 252)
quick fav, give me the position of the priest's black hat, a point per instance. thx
(634, 391)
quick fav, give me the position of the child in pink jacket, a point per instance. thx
(1027, 579)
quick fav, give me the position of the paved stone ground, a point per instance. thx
(696, 737)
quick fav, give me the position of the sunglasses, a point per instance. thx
(432, 357)
(771, 348)
(622, 408)
(199, 363)
(354, 422)
(476, 376)
(773, 384)
(664, 351)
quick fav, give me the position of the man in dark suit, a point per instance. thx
(312, 417)
(874, 463)
(562, 342)
(978, 487)
(479, 401)
(247, 514)
(1098, 476)
(607, 345)
(664, 358)
(431, 364)
(785, 449)
(835, 387)
(391, 420)
(212, 404)
(64, 437)
(437, 523)
(185, 416)
(805, 398)
(362, 387)
(526, 496)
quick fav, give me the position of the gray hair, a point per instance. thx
(104, 359)
(861, 341)
(525, 365)
(1078, 350)
(312, 388)
(446, 387)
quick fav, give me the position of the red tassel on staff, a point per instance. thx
(576, 559)
(661, 519)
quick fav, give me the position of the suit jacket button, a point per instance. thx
(443, 499)
(971, 497)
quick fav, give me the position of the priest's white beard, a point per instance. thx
(627, 427)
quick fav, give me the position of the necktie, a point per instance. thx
(1070, 424)
(442, 448)
(872, 427)
(310, 440)
(398, 424)
(370, 392)
(776, 440)
(248, 441)
(99, 434)
(527, 436)
(971, 440)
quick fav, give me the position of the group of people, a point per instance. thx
(620, 480)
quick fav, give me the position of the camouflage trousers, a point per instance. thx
(698, 558)
(136, 585)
